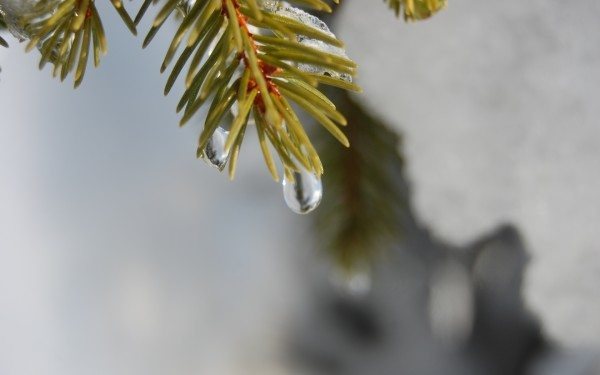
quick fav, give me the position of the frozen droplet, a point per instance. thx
(270, 5)
(214, 152)
(286, 10)
(14, 13)
(328, 48)
(235, 110)
(302, 191)
(19, 14)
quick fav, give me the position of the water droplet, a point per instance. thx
(19, 16)
(235, 110)
(286, 10)
(328, 48)
(283, 8)
(270, 5)
(302, 191)
(14, 12)
(214, 152)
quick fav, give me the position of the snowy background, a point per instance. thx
(121, 253)
(498, 102)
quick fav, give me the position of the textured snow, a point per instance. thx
(498, 105)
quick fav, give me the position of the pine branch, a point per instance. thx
(414, 10)
(258, 57)
(364, 211)
(66, 31)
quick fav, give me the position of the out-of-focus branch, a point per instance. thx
(362, 213)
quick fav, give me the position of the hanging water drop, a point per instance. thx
(302, 191)
(214, 152)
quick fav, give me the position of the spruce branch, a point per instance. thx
(258, 56)
(66, 31)
(415, 10)
(365, 211)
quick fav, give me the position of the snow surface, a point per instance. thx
(498, 103)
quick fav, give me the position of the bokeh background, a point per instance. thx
(121, 253)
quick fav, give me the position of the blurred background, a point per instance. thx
(472, 191)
